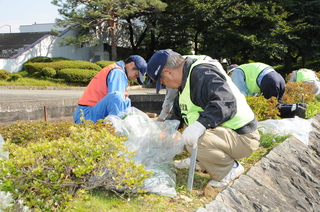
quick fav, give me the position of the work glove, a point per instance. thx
(192, 133)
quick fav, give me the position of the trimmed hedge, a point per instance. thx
(66, 64)
(14, 77)
(39, 59)
(56, 59)
(104, 63)
(48, 72)
(77, 75)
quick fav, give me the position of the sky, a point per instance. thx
(14, 13)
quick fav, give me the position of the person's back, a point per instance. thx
(247, 77)
(256, 78)
(303, 75)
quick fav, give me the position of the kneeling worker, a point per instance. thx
(107, 92)
(215, 115)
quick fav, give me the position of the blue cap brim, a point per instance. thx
(141, 80)
(158, 86)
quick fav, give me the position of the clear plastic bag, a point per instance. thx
(155, 143)
(298, 127)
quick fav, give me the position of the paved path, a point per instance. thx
(27, 93)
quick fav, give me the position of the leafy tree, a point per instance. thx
(93, 18)
(267, 31)
(169, 28)
(302, 40)
(243, 30)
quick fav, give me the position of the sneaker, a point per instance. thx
(185, 164)
(300, 111)
(227, 180)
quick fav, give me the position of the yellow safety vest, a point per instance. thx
(190, 112)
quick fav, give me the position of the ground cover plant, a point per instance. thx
(47, 171)
(44, 186)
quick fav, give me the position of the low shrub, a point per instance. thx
(4, 74)
(48, 72)
(297, 92)
(64, 64)
(56, 59)
(39, 59)
(313, 108)
(31, 131)
(264, 108)
(104, 63)
(14, 77)
(46, 174)
(77, 75)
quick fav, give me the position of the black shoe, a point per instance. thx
(300, 111)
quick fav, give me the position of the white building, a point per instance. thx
(40, 28)
(38, 40)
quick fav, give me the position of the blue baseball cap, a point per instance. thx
(231, 68)
(156, 64)
(141, 65)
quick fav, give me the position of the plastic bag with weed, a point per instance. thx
(298, 127)
(155, 143)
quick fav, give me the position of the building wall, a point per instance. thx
(39, 28)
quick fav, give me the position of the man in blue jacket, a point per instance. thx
(214, 114)
(107, 92)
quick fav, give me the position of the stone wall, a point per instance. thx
(286, 179)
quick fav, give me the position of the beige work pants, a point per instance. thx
(219, 147)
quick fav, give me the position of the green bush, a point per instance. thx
(56, 59)
(46, 174)
(14, 77)
(296, 91)
(77, 75)
(263, 108)
(48, 72)
(313, 108)
(4, 74)
(104, 63)
(65, 64)
(31, 131)
(39, 59)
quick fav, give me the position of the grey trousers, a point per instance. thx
(219, 147)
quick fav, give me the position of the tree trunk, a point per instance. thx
(196, 43)
(153, 42)
(113, 40)
(287, 64)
